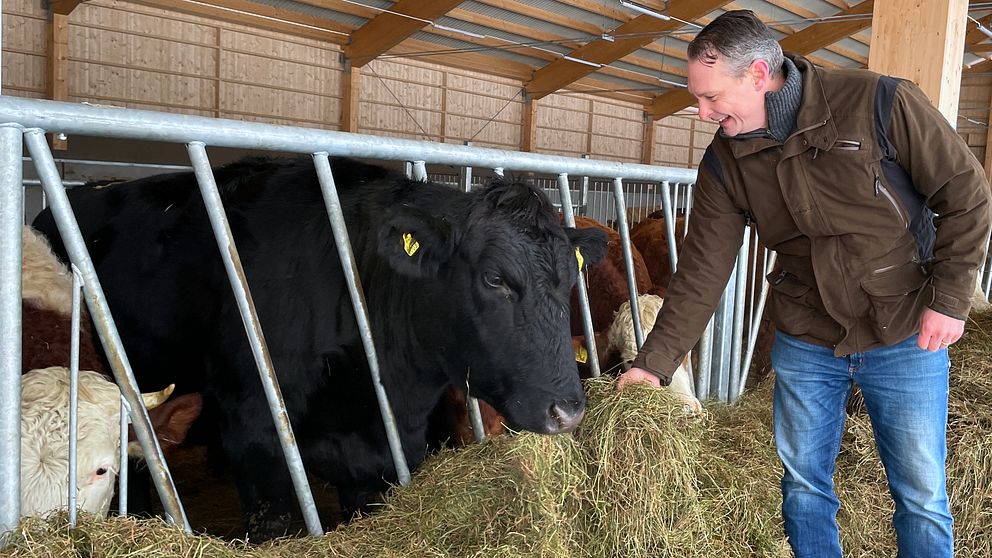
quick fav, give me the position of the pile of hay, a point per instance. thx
(637, 479)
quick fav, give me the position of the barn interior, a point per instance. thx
(602, 79)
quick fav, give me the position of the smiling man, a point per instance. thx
(879, 214)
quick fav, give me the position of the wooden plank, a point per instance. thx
(644, 30)
(57, 84)
(934, 32)
(388, 29)
(351, 87)
(807, 40)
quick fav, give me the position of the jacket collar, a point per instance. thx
(814, 124)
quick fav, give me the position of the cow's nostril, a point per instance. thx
(568, 413)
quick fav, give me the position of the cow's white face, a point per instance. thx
(45, 441)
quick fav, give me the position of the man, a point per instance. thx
(879, 214)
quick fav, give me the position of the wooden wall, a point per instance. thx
(130, 55)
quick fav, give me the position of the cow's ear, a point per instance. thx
(590, 245)
(415, 243)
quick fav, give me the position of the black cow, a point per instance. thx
(460, 287)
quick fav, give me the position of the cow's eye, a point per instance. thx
(493, 280)
(101, 471)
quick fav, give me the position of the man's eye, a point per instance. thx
(493, 280)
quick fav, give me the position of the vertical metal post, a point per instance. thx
(420, 171)
(122, 469)
(408, 169)
(102, 319)
(628, 260)
(704, 373)
(752, 339)
(722, 331)
(11, 220)
(263, 359)
(73, 392)
(738, 327)
(498, 171)
(587, 327)
(475, 414)
(466, 175)
(584, 193)
(666, 204)
(350, 269)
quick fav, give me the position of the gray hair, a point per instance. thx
(739, 38)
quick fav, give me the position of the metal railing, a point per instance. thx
(28, 120)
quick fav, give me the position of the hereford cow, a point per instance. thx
(462, 289)
(46, 307)
(621, 340)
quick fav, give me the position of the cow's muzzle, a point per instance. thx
(566, 415)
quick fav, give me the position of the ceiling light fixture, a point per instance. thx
(581, 61)
(643, 10)
(458, 31)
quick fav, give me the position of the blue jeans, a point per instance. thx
(905, 393)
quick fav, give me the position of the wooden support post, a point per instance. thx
(922, 42)
(57, 84)
(528, 126)
(647, 140)
(351, 87)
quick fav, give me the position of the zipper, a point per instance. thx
(881, 189)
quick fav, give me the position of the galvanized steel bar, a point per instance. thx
(74, 118)
(628, 260)
(102, 319)
(498, 171)
(122, 466)
(666, 205)
(11, 219)
(256, 339)
(343, 243)
(587, 327)
(722, 330)
(753, 334)
(705, 353)
(738, 324)
(74, 392)
(475, 414)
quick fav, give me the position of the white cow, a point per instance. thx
(45, 281)
(45, 441)
(621, 339)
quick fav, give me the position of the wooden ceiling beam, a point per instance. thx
(807, 40)
(643, 30)
(389, 29)
(63, 7)
(253, 14)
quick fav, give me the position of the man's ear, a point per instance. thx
(415, 243)
(590, 245)
(760, 73)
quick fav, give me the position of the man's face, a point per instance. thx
(736, 103)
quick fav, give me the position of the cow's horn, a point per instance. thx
(156, 398)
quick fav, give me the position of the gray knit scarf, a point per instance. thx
(783, 105)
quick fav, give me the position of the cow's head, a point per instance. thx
(45, 440)
(493, 273)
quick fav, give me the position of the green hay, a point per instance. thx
(636, 479)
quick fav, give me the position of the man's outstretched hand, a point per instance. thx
(637, 375)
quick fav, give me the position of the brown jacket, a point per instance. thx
(848, 202)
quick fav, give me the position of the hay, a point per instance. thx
(637, 479)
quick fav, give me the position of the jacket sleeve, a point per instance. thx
(953, 183)
(713, 239)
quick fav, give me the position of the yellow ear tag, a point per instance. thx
(581, 355)
(410, 244)
(581, 260)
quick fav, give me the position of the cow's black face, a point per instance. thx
(499, 298)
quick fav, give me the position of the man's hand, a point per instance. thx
(938, 331)
(637, 375)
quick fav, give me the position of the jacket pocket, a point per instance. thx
(894, 293)
(789, 309)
